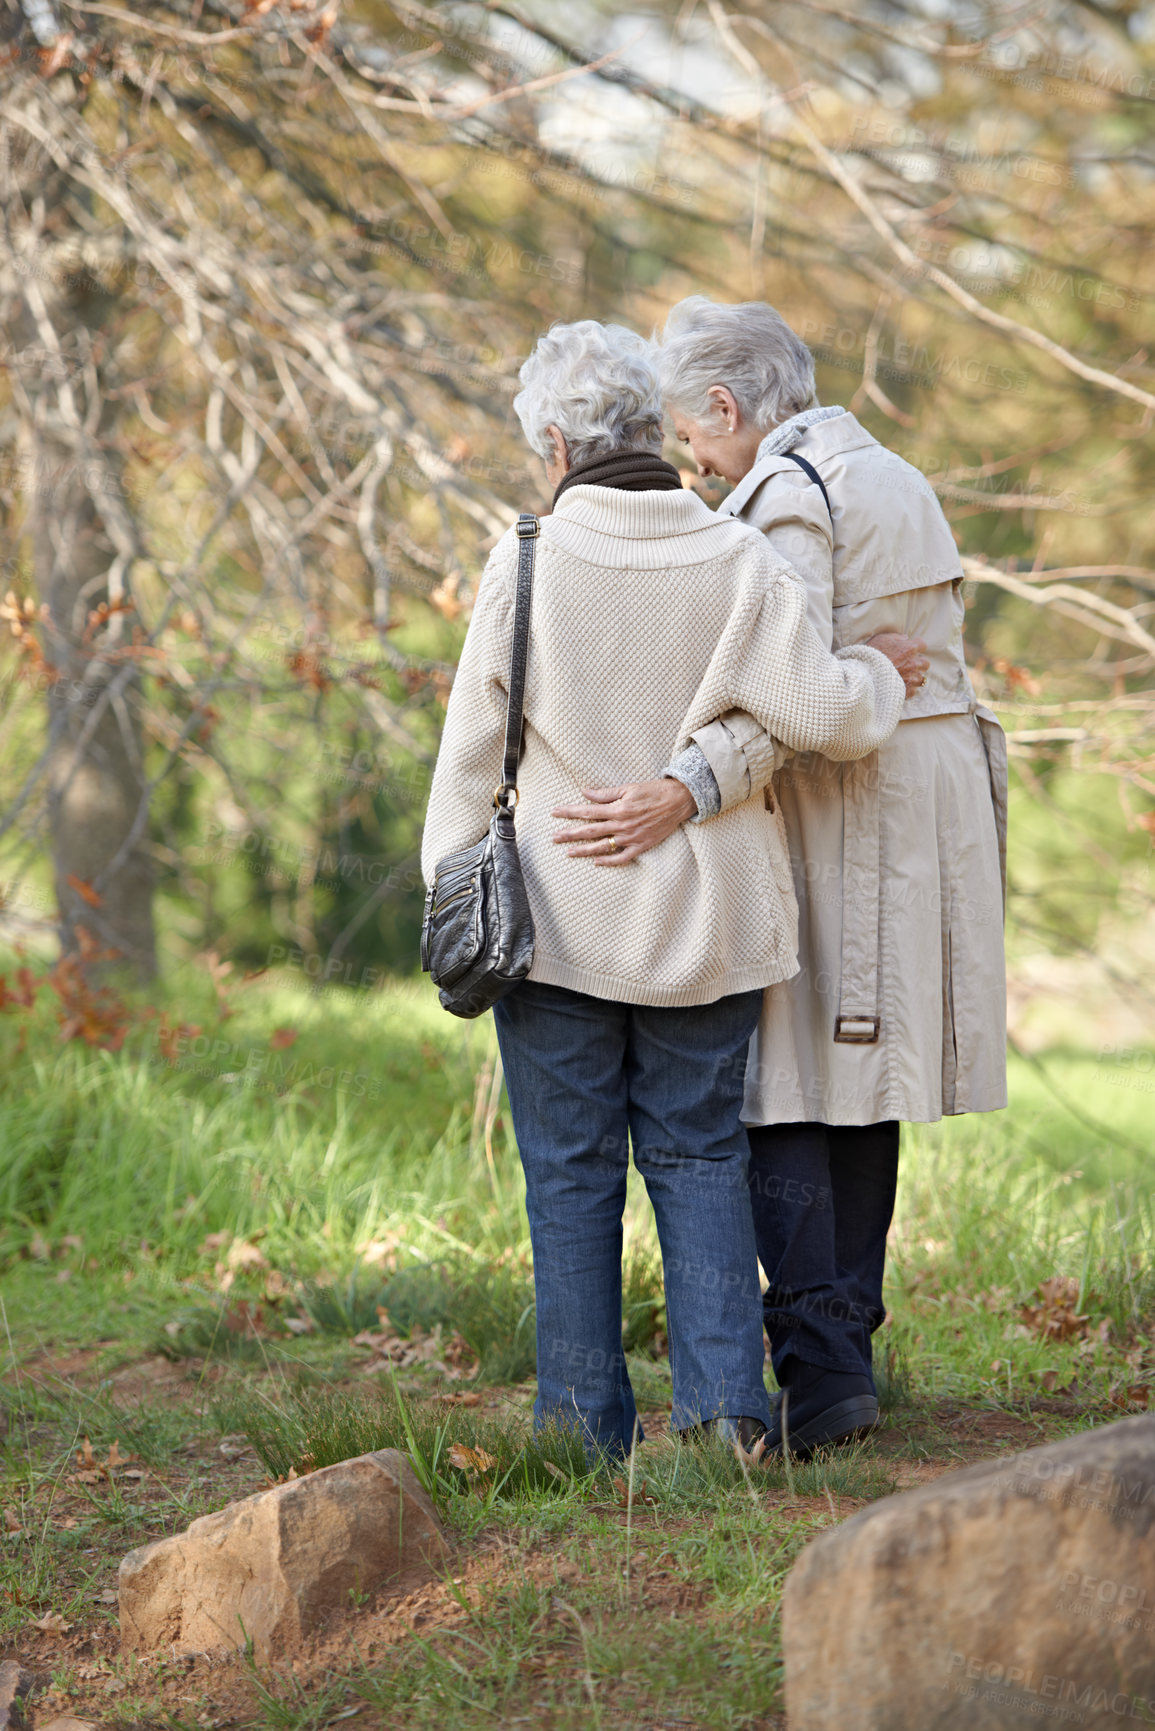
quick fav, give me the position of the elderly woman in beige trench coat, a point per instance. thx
(898, 1009)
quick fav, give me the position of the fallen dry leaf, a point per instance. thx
(451, 1355)
(12, 1521)
(242, 1254)
(280, 1038)
(380, 1252)
(1126, 1396)
(1049, 1383)
(52, 1623)
(92, 1469)
(91, 1668)
(640, 1496)
(242, 1317)
(471, 1460)
(1056, 1315)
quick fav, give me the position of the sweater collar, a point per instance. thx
(632, 471)
(634, 516)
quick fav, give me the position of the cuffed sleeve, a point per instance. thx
(691, 767)
(741, 754)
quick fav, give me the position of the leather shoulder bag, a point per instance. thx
(477, 934)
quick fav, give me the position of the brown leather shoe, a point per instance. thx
(744, 1431)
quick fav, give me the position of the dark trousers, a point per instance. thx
(823, 1197)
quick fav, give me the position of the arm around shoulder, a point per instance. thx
(779, 671)
(791, 515)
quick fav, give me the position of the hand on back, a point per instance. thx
(908, 654)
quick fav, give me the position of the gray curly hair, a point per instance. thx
(749, 348)
(598, 384)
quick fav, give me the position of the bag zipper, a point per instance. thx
(425, 928)
(455, 897)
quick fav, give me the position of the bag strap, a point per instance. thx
(528, 529)
(812, 473)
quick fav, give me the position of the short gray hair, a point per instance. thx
(598, 384)
(749, 348)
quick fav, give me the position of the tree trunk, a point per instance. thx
(79, 523)
(97, 785)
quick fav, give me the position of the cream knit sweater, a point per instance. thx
(650, 617)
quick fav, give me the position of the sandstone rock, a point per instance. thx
(67, 1723)
(1017, 1592)
(15, 1687)
(279, 1565)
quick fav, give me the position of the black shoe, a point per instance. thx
(821, 1407)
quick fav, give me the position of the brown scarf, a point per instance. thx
(632, 471)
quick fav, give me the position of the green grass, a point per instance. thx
(295, 1430)
(344, 1182)
(133, 1194)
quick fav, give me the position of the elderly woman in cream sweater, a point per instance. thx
(650, 616)
(898, 1009)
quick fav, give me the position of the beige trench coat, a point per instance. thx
(899, 1006)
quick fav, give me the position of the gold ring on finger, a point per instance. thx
(613, 847)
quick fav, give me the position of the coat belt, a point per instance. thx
(857, 1022)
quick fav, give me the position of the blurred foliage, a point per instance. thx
(291, 257)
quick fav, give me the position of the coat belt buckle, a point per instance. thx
(857, 1030)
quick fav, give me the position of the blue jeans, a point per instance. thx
(822, 1198)
(586, 1076)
